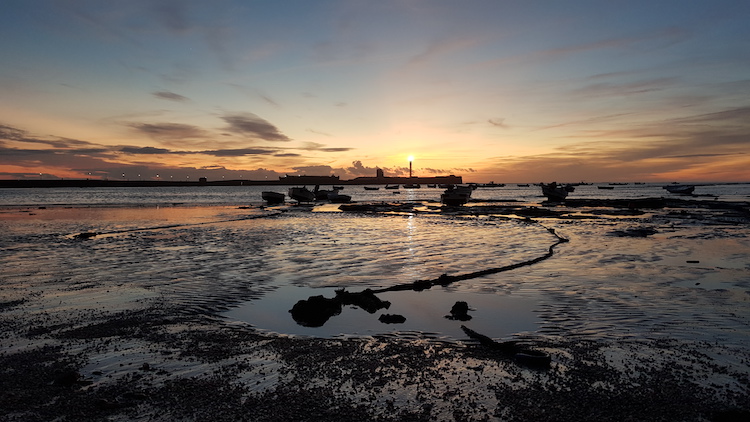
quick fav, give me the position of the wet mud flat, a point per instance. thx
(126, 325)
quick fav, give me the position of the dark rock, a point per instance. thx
(635, 232)
(66, 378)
(85, 235)
(392, 319)
(533, 358)
(365, 299)
(460, 312)
(315, 311)
(445, 279)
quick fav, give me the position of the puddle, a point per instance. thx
(493, 314)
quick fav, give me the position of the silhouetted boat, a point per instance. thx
(273, 197)
(554, 192)
(338, 198)
(391, 186)
(322, 194)
(606, 187)
(302, 194)
(492, 185)
(681, 189)
(456, 195)
(523, 185)
(371, 188)
(412, 186)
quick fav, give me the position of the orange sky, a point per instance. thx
(490, 90)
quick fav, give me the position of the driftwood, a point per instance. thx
(512, 349)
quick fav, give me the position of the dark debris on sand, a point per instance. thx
(351, 379)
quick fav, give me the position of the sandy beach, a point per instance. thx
(123, 313)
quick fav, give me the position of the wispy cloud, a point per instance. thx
(627, 88)
(314, 146)
(171, 96)
(170, 130)
(145, 150)
(498, 122)
(238, 152)
(251, 125)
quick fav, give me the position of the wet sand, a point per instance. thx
(129, 323)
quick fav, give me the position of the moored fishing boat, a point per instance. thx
(554, 192)
(273, 197)
(302, 194)
(456, 195)
(338, 198)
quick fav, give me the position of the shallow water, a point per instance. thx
(254, 264)
(251, 195)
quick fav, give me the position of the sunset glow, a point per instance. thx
(489, 90)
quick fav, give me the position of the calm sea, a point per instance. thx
(251, 195)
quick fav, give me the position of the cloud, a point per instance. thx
(317, 132)
(498, 122)
(254, 126)
(269, 100)
(145, 150)
(314, 146)
(320, 170)
(237, 152)
(692, 146)
(14, 134)
(8, 132)
(169, 130)
(171, 96)
(620, 89)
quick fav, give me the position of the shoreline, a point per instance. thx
(75, 346)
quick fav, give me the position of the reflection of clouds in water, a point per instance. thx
(381, 251)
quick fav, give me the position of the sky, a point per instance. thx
(496, 90)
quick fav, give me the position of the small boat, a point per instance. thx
(456, 196)
(680, 189)
(338, 198)
(412, 186)
(371, 188)
(338, 188)
(431, 186)
(523, 185)
(273, 197)
(606, 187)
(322, 194)
(554, 192)
(302, 194)
(492, 185)
(391, 186)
